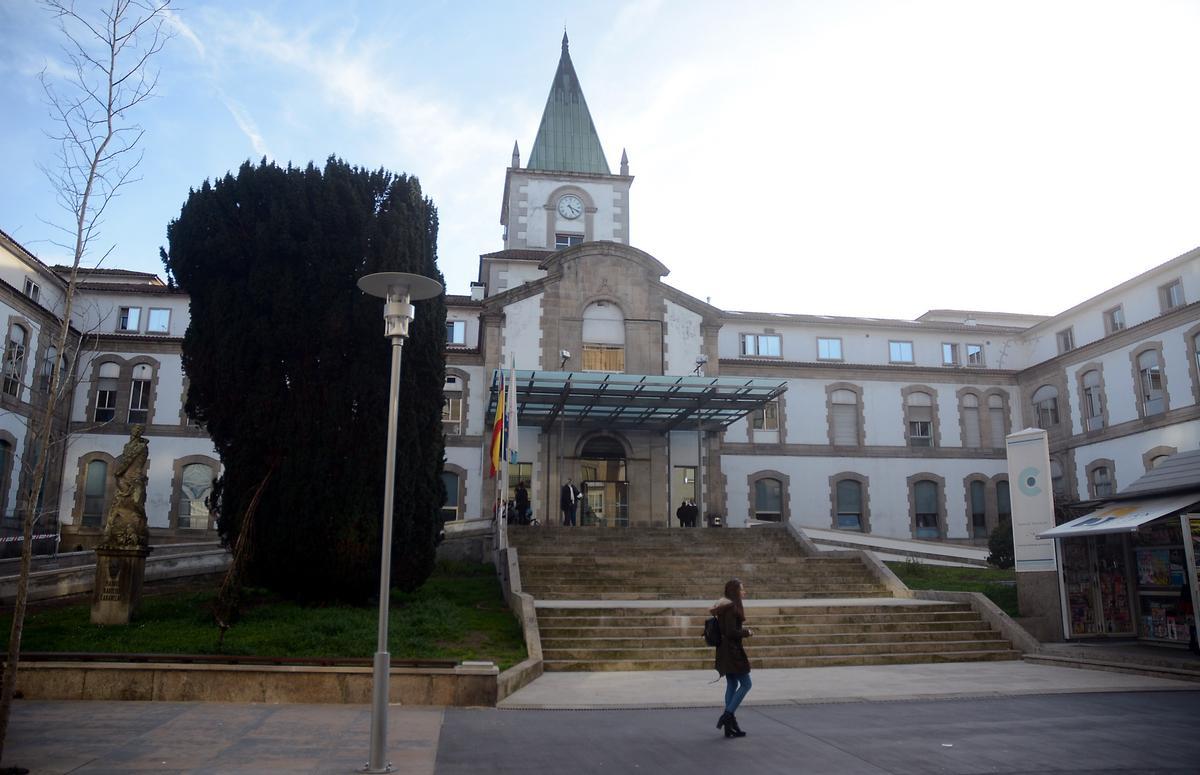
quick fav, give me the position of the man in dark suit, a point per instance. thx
(569, 501)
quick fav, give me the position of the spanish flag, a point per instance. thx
(498, 429)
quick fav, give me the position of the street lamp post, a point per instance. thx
(399, 289)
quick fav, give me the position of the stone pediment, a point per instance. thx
(557, 260)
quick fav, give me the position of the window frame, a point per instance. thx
(1114, 319)
(1092, 398)
(150, 328)
(934, 436)
(1065, 339)
(32, 290)
(767, 414)
(894, 343)
(859, 424)
(784, 481)
(949, 354)
(755, 351)
(835, 511)
(821, 340)
(939, 484)
(15, 359)
(567, 239)
(1091, 471)
(1054, 416)
(604, 352)
(123, 316)
(973, 361)
(453, 330)
(1167, 295)
(140, 388)
(1140, 379)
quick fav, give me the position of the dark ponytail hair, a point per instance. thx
(733, 591)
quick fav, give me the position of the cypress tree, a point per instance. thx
(288, 370)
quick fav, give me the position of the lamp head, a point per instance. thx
(399, 290)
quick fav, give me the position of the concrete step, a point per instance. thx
(761, 652)
(781, 662)
(619, 614)
(834, 630)
(556, 639)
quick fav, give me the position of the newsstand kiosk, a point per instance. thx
(1130, 569)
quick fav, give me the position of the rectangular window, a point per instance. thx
(978, 511)
(900, 352)
(451, 509)
(974, 355)
(567, 240)
(829, 349)
(925, 499)
(849, 505)
(158, 321)
(1114, 320)
(106, 401)
(139, 401)
(949, 354)
(32, 290)
(766, 417)
(602, 357)
(1066, 340)
(129, 318)
(762, 345)
(920, 433)
(456, 332)
(452, 413)
(1171, 295)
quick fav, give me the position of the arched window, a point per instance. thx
(95, 493)
(1150, 382)
(925, 503)
(106, 391)
(1003, 501)
(451, 509)
(1157, 460)
(978, 492)
(997, 420)
(768, 500)
(14, 359)
(1045, 405)
(46, 377)
(844, 418)
(1102, 486)
(139, 394)
(849, 505)
(196, 485)
(919, 417)
(1093, 409)
(972, 436)
(603, 338)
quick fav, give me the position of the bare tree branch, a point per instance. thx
(96, 157)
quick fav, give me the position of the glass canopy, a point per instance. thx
(634, 401)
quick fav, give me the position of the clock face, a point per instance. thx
(570, 206)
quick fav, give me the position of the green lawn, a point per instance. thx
(999, 585)
(458, 614)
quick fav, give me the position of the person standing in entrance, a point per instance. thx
(732, 662)
(569, 500)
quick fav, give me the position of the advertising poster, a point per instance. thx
(1032, 499)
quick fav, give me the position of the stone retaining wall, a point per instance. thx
(467, 685)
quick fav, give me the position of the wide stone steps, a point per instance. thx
(842, 614)
(838, 660)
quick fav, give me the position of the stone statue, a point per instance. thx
(125, 526)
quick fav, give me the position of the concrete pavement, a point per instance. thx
(1006, 717)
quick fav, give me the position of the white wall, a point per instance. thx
(523, 333)
(164, 451)
(684, 340)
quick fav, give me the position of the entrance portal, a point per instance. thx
(604, 486)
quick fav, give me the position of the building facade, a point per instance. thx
(889, 427)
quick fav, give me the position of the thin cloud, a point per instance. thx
(248, 127)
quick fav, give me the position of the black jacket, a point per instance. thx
(731, 657)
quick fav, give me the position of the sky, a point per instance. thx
(850, 157)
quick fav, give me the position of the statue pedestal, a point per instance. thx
(118, 589)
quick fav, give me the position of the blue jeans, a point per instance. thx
(736, 688)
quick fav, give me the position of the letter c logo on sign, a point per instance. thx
(1028, 482)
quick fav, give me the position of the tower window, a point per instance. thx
(567, 240)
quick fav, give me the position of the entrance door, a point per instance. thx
(605, 489)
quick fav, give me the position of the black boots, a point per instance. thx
(729, 721)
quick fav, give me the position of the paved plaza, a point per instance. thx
(1005, 717)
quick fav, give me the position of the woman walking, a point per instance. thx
(732, 661)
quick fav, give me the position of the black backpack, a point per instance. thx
(712, 632)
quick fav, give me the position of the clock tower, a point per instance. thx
(566, 193)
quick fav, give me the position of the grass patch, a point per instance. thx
(1000, 586)
(459, 613)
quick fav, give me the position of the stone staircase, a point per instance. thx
(596, 593)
